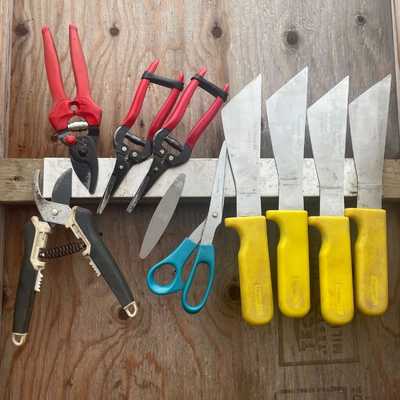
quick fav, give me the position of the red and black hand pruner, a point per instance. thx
(168, 152)
(70, 116)
(131, 149)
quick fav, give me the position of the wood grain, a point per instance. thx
(396, 44)
(79, 348)
(6, 9)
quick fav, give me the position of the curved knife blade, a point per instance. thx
(327, 122)
(368, 115)
(286, 112)
(241, 120)
(62, 189)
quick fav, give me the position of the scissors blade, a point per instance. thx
(196, 235)
(215, 211)
(113, 184)
(162, 215)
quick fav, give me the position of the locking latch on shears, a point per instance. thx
(130, 149)
(168, 152)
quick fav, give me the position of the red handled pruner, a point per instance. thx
(71, 116)
(168, 152)
(129, 148)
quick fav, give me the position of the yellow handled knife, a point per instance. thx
(241, 119)
(368, 115)
(286, 112)
(327, 122)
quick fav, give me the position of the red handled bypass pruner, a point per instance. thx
(168, 152)
(129, 148)
(71, 116)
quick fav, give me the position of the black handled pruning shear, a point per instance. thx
(80, 221)
(168, 152)
(129, 148)
(72, 116)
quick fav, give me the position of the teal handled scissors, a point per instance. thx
(200, 239)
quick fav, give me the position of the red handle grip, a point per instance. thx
(87, 108)
(183, 103)
(204, 121)
(53, 69)
(138, 99)
(60, 112)
(164, 110)
(78, 63)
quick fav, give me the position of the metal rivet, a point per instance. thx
(170, 158)
(155, 169)
(214, 214)
(121, 167)
(134, 154)
(54, 212)
(124, 148)
(162, 151)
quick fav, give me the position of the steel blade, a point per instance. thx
(327, 122)
(84, 161)
(215, 211)
(62, 189)
(120, 170)
(110, 189)
(286, 112)
(84, 174)
(54, 213)
(162, 215)
(142, 190)
(368, 116)
(241, 119)
(195, 236)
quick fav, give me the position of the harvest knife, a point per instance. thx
(286, 111)
(368, 115)
(241, 119)
(327, 121)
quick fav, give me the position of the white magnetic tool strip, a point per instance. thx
(198, 183)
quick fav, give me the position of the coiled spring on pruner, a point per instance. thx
(62, 251)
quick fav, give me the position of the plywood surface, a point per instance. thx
(6, 8)
(79, 347)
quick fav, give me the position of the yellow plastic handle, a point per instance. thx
(254, 269)
(370, 260)
(335, 273)
(293, 261)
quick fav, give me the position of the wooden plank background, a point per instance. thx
(6, 8)
(80, 348)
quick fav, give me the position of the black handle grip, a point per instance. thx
(102, 257)
(26, 285)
